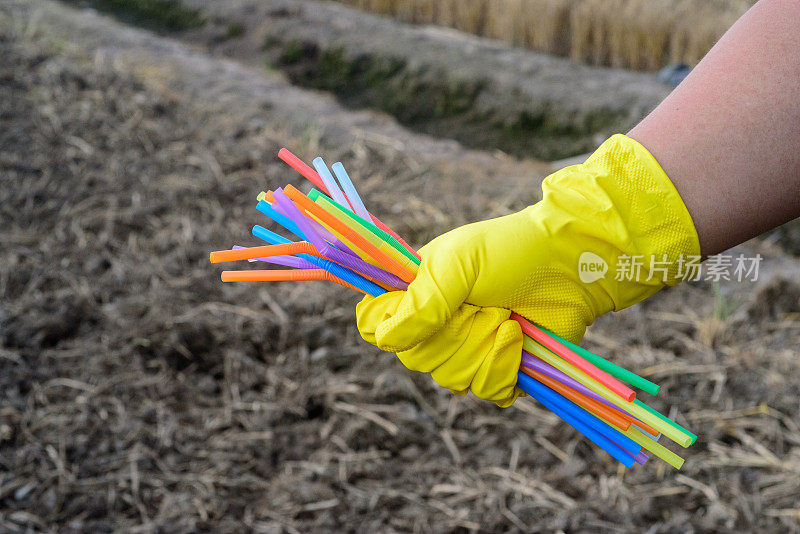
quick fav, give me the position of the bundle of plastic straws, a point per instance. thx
(342, 242)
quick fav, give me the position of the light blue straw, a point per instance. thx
(350, 191)
(330, 182)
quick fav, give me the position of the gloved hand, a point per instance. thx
(453, 321)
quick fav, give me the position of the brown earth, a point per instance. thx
(140, 394)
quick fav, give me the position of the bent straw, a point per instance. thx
(573, 417)
(378, 255)
(276, 239)
(302, 247)
(579, 362)
(350, 190)
(251, 253)
(304, 275)
(286, 261)
(360, 224)
(311, 175)
(656, 448)
(347, 219)
(328, 251)
(270, 209)
(307, 261)
(329, 181)
(679, 437)
(535, 364)
(264, 207)
(609, 367)
(587, 403)
(665, 419)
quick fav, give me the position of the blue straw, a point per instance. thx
(270, 237)
(335, 269)
(350, 191)
(575, 416)
(264, 207)
(611, 433)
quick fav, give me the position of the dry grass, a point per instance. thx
(637, 34)
(139, 394)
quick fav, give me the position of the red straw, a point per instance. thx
(575, 359)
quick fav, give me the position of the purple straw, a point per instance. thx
(532, 362)
(286, 261)
(330, 252)
(321, 231)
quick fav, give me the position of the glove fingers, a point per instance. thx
(427, 305)
(436, 351)
(479, 349)
(497, 375)
(372, 311)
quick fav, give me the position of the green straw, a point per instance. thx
(665, 419)
(610, 367)
(314, 195)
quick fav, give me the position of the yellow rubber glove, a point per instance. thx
(453, 321)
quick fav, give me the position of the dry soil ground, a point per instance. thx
(140, 394)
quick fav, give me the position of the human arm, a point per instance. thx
(729, 135)
(717, 163)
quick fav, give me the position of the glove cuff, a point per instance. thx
(632, 218)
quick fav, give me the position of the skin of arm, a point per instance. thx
(729, 135)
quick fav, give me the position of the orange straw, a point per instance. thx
(575, 359)
(302, 275)
(387, 262)
(584, 401)
(313, 176)
(252, 253)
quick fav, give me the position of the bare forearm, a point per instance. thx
(729, 135)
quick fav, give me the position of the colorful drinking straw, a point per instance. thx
(387, 262)
(330, 182)
(328, 251)
(299, 275)
(347, 218)
(360, 224)
(335, 269)
(558, 348)
(579, 386)
(602, 411)
(679, 437)
(572, 416)
(349, 190)
(534, 364)
(309, 174)
(286, 261)
(309, 262)
(609, 367)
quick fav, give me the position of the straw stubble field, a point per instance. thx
(141, 394)
(638, 34)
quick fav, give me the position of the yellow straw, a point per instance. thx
(340, 214)
(679, 437)
(656, 448)
(346, 242)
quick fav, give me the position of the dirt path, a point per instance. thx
(139, 393)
